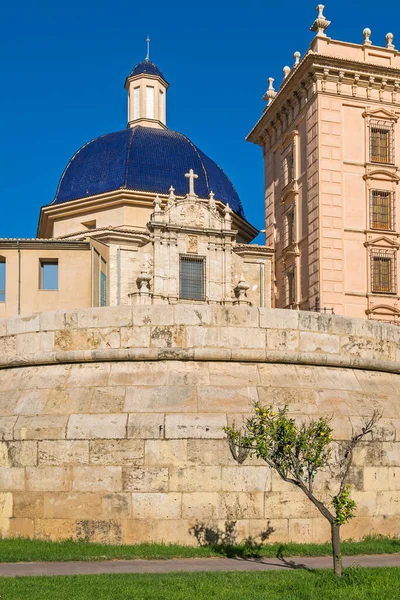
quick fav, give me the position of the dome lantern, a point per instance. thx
(147, 91)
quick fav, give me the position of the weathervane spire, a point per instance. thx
(148, 48)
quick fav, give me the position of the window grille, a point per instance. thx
(381, 141)
(287, 168)
(383, 271)
(192, 278)
(2, 280)
(381, 210)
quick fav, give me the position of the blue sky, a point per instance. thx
(63, 67)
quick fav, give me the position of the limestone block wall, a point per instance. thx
(111, 421)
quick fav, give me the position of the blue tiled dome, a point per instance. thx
(146, 67)
(147, 160)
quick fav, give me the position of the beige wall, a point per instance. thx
(132, 449)
(74, 280)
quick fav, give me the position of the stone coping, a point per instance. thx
(198, 333)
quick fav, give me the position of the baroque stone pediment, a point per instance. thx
(382, 175)
(382, 242)
(191, 213)
(380, 113)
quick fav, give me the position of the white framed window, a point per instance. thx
(150, 102)
(136, 103)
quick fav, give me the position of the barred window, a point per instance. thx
(383, 267)
(287, 166)
(192, 278)
(290, 288)
(381, 210)
(2, 279)
(381, 141)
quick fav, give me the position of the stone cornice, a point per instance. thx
(80, 336)
(39, 244)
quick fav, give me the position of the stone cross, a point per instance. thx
(191, 176)
(148, 48)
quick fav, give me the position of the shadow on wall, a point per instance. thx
(226, 542)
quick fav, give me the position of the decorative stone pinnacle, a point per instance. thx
(367, 34)
(389, 41)
(227, 216)
(171, 197)
(211, 201)
(286, 71)
(296, 58)
(157, 204)
(270, 93)
(320, 24)
(191, 176)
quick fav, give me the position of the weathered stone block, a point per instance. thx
(246, 479)
(162, 531)
(34, 343)
(283, 339)
(278, 318)
(62, 400)
(22, 454)
(330, 378)
(289, 505)
(31, 402)
(109, 426)
(209, 453)
(366, 502)
(72, 505)
(195, 479)
(7, 427)
(48, 479)
(145, 373)
(165, 453)
(88, 375)
(11, 479)
(135, 337)
(200, 505)
(97, 479)
(145, 480)
(4, 459)
(242, 505)
(43, 377)
(388, 503)
(188, 373)
(146, 426)
(159, 315)
(28, 505)
(269, 531)
(394, 478)
(117, 506)
(168, 336)
(195, 426)
(225, 337)
(376, 478)
(198, 314)
(21, 528)
(156, 506)
(6, 505)
(55, 529)
(372, 349)
(297, 400)
(117, 452)
(160, 399)
(235, 316)
(105, 316)
(226, 398)
(107, 399)
(319, 342)
(63, 452)
(40, 427)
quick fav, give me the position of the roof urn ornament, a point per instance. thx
(367, 34)
(286, 71)
(241, 291)
(157, 212)
(296, 58)
(389, 41)
(270, 93)
(320, 24)
(171, 197)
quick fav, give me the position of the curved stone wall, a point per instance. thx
(111, 421)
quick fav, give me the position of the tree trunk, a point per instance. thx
(336, 554)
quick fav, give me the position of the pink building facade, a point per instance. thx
(331, 143)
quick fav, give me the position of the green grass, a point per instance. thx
(25, 550)
(356, 584)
